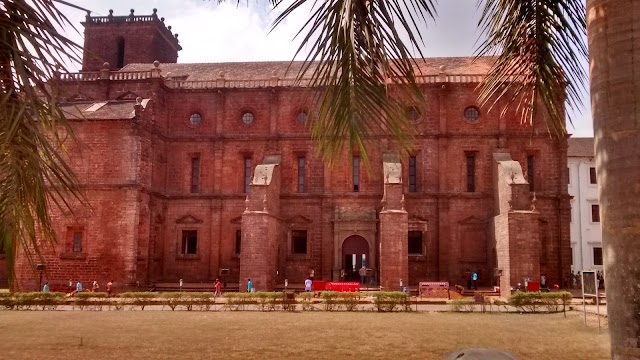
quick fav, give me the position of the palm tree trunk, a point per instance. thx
(613, 33)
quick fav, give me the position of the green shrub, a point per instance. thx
(267, 301)
(171, 299)
(388, 301)
(349, 301)
(306, 300)
(462, 305)
(330, 300)
(140, 299)
(91, 295)
(239, 301)
(539, 301)
(91, 299)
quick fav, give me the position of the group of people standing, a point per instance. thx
(79, 288)
(471, 278)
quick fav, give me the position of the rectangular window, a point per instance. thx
(301, 174)
(595, 213)
(593, 179)
(471, 172)
(247, 173)
(356, 173)
(238, 241)
(299, 242)
(568, 175)
(415, 242)
(195, 173)
(597, 256)
(572, 255)
(77, 242)
(189, 242)
(412, 174)
(531, 172)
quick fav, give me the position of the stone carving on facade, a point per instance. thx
(349, 214)
(188, 219)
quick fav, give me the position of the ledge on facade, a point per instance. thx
(417, 257)
(73, 256)
(298, 257)
(187, 257)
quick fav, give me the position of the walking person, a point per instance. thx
(474, 279)
(94, 286)
(217, 287)
(467, 278)
(249, 285)
(45, 288)
(307, 285)
(363, 273)
(109, 288)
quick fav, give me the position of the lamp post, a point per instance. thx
(40, 268)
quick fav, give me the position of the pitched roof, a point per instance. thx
(581, 147)
(101, 110)
(289, 70)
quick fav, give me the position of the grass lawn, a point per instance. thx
(246, 335)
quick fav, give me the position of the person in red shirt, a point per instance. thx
(218, 287)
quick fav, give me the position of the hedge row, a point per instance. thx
(266, 301)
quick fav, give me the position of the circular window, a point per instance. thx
(413, 114)
(247, 118)
(195, 119)
(301, 118)
(471, 114)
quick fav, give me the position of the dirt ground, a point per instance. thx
(306, 335)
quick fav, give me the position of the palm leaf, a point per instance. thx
(33, 172)
(540, 48)
(361, 69)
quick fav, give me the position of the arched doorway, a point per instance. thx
(355, 254)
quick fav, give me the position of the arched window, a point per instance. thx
(120, 52)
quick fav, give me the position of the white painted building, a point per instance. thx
(586, 234)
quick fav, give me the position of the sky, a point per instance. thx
(232, 31)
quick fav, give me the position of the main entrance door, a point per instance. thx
(355, 254)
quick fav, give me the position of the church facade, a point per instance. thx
(193, 171)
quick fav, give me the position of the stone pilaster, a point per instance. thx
(394, 261)
(261, 230)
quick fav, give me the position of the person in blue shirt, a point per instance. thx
(474, 278)
(249, 286)
(45, 288)
(78, 286)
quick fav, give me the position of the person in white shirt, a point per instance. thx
(307, 285)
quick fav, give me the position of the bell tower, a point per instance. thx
(122, 40)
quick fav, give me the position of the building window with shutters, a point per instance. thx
(247, 174)
(301, 161)
(77, 241)
(415, 243)
(471, 172)
(238, 242)
(195, 174)
(189, 243)
(597, 256)
(412, 174)
(595, 213)
(356, 173)
(531, 172)
(299, 242)
(593, 179)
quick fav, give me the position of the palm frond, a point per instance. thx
(357, 59)
(33, 172)
(540, 48)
